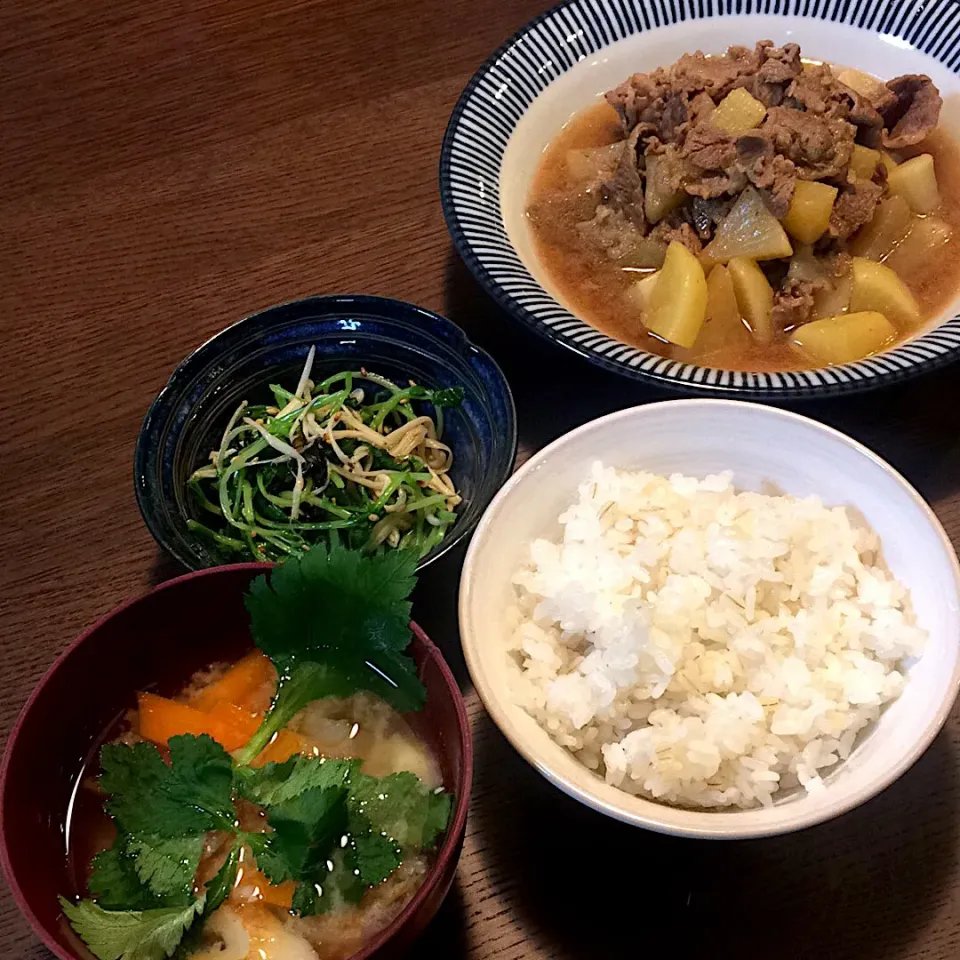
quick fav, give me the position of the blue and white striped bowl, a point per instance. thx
(565, 59)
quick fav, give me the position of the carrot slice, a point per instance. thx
(278, 894)
(240, 722)
(283, 746)
(243, 679)
(161, 719)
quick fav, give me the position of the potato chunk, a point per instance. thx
(738, 112)
(754, 297)
(926, 236)
(876, 288)
(809, 214)
(844, 339)
(749, 230)
(678, 304)
(890, 224)
(864, 162)
(659, 196)
(916, 181)
(724, 328)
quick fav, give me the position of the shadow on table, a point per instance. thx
(435, 609)
(861, 886)
(163, 568)
(445, 937)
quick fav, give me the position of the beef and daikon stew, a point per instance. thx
(754, 211)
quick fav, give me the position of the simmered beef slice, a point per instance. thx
(777, 68)
(779, 64)
(819, 146)
(812, 90)
(639, 96)
(915, 112)
(708, 148)
(716, 76)
(625, 190)
(670, 97)
(717, 184)
(700, 107)
(793, 303)
(854, 207)
(712, 155)
(609, 232)
(726, 164)
(673, 115)
(774, 175)
(867, 120)
(673, 228)
(818, 91)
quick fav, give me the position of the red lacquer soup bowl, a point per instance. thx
(158, 641)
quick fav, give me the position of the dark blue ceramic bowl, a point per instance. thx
(392, 338)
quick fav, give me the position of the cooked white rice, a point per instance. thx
(705, 647)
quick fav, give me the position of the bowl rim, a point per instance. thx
(385, 309)
(649, 813)
(452, 839)
(895, 365)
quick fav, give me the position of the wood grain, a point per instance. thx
(168, 167)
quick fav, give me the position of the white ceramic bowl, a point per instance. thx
(565, 59)
(761, 445)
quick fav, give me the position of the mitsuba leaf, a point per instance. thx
(191, 795)
(167, 866)
(132, 934)
(334, 621)
(402, 807)
(306, 829)
(270, 860)
(307, 899)
(377, 856)
(114, 882)
(344, 609)
(331, 598)
(278, 782)
(218, 889)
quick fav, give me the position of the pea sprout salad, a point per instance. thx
(354, 459)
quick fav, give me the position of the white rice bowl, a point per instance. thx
(705, 647)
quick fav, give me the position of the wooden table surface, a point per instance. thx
(167, 166)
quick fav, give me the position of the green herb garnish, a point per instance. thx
(131, 934)
(334, 622)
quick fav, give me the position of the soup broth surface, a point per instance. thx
(248, 926)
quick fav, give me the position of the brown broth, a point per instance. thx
(594, 287)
